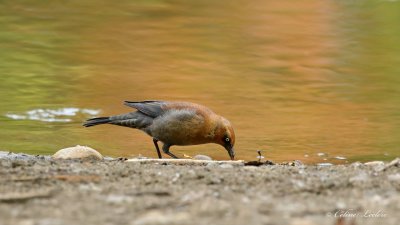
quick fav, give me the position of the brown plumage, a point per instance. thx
(174, 123)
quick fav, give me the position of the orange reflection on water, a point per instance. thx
(268, 66)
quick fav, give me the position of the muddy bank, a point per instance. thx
(39, 190)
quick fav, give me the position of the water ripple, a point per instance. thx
(53, 115)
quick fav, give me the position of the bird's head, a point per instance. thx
(225, 136)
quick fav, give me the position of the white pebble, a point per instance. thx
(77, 152)
(202, 157)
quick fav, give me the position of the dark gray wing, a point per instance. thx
(149, 108)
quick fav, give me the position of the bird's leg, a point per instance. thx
(166, 151)
(158, 149)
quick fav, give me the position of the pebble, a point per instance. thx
(157, 217)
(293, 163)
(226, 166)
(374, 163)
(341, 205)
(202, 157)
(297, 163)
(324, 164)
(118, 199)
(395, 162)
(340, 158)
(77, 152)
(394, 177)
(356, 165)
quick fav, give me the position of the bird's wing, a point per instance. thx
(149, 108)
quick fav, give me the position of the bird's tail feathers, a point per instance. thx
(96, 121)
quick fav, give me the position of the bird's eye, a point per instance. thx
(227, 140)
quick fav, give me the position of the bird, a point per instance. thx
(174, 123)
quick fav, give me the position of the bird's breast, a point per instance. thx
(180, 127)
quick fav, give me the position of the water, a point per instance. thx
(295, 78)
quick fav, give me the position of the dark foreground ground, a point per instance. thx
(40, 191)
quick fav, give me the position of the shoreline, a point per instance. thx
(40, 190)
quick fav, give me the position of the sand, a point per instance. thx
(39, 190)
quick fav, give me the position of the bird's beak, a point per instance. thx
(231, 152)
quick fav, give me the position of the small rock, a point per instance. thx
(226, 166)
(118, 199)
(374, 163)
(176, 177)
(340, 158)
(297, 163)
(356, 165)
(341, 205)
(395, 162)
(293, 163)
(394, 177)
(77, 152)
(158, 217)
(324, 164)
(202, 157)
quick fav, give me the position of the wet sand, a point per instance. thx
(40, 191)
